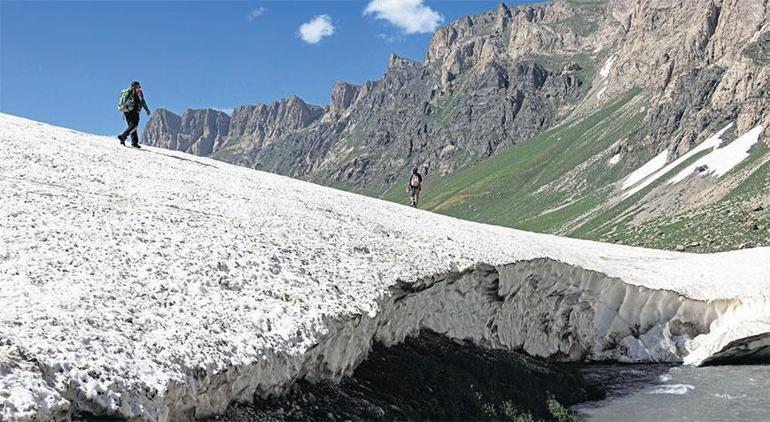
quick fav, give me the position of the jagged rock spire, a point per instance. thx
(503, 17)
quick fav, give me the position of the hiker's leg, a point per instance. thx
(135, 135)
(134, 125)
(131, 126)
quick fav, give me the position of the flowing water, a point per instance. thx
(662, 393)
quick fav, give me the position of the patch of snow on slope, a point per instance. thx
(601, 92)
(721, 160)
(709, 143)
(614, 159)
(647, 169)
(605, 71)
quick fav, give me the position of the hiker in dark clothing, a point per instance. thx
(414, 186)
(131, 104)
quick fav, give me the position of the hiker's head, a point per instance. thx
(135, 84)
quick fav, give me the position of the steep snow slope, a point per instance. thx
(161, 285)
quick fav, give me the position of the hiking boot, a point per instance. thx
(135, 145)
(122, 140)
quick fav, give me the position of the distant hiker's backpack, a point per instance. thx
(126, 101)
(414, 181)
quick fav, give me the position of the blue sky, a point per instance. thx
(65, 62)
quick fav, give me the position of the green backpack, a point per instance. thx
(126, 101)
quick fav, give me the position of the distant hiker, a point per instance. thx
(414, 186)
(131, 104)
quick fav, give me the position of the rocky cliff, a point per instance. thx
(196, 131)
(493, 80)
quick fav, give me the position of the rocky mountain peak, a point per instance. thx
(162, 129)
(296, 113)
(166, 120)
(196, 131)
(256, 124)
(457, 33)
(503, 18)
(202, 129)
(396, 62)
(343, 96)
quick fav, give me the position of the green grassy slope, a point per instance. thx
(512, 188)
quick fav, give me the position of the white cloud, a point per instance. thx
(389, 38)
(412, 16)
(259, 11)
(315, 29)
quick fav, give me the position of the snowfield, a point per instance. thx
(163, 286)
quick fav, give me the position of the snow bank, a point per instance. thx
(721, 160)
(163, 286)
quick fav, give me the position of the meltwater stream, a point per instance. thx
(661, 393)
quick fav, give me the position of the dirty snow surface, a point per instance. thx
(154, 284)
